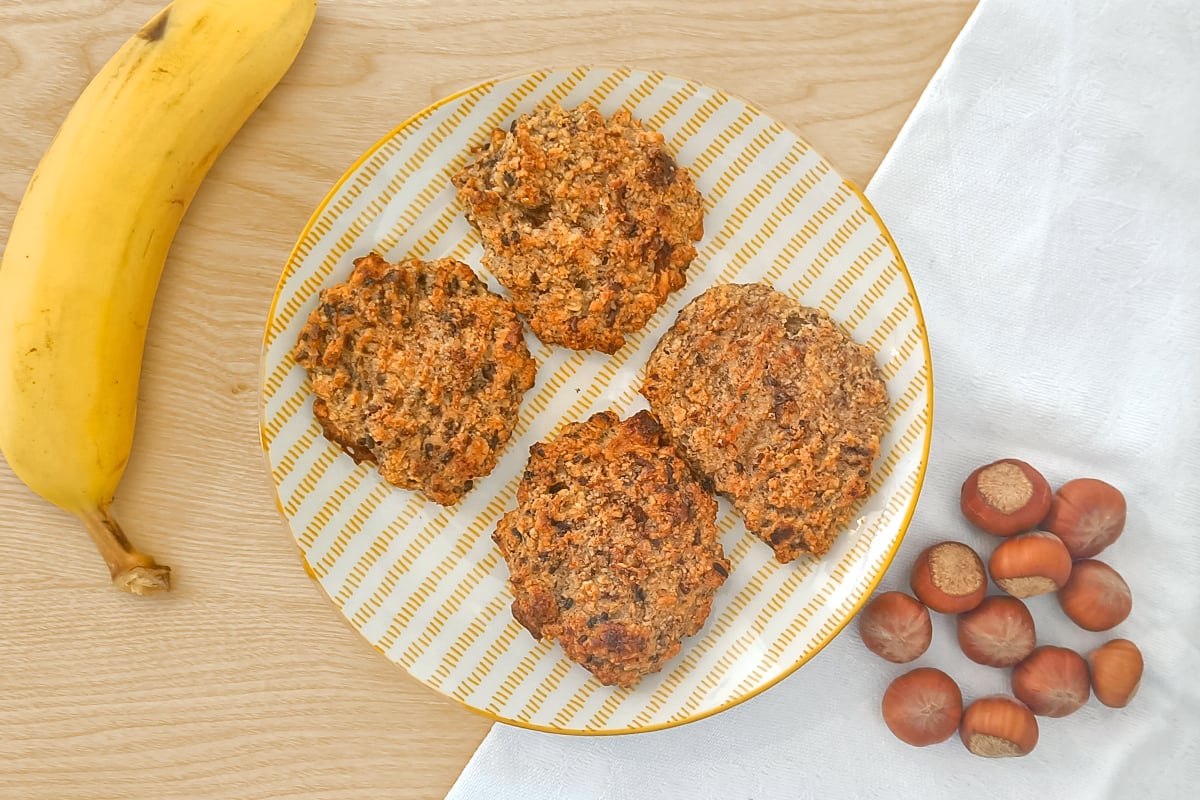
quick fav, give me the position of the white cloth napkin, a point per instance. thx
(1046, 196)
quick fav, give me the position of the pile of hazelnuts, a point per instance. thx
(1049, 544)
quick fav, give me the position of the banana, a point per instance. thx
(87, 247)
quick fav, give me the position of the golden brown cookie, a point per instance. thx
(418, 368)
(588, 222)
(774, 405)
(612, 549)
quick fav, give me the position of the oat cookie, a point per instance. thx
(613, 548)
(774, 405)
(588, 222)
(418, 368)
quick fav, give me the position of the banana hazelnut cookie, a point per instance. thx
(588, 222)
(775, 406)
(612, 549)
(419, 369)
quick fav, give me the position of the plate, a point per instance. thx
(424, 584)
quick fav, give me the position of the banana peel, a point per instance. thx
(92, 233)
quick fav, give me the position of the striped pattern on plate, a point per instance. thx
(425, 584)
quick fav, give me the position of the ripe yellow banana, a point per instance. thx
(87, 247)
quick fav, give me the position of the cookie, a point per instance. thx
(419, 369)
(588, 222)
(770, 402)
(612, 549)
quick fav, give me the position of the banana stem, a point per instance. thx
(132, 571)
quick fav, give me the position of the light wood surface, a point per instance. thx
(244, 682)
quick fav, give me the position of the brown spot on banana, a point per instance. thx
(153, 30)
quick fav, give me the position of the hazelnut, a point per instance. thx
(1087, 514)
(1095, 597)
(1053, 681)
(1030, 564)
(1005, 497)
(1116, 672)
(999, 633)
(949, 578)
(922, 707)
(998, 726)
(896, 627)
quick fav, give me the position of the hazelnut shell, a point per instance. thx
(998, 726)
(949, 577)
(922, 707)
(1052, 681)
(896, 627)
(1087, 514)
(1095, 597)
(1116, 668)
(999, 633)
(1005, 497)
(1030, 564)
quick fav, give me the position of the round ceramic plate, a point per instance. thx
(425, 584)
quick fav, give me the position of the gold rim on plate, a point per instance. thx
(424, 584)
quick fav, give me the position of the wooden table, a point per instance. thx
(244, 682)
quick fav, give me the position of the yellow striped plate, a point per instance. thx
(424, 584)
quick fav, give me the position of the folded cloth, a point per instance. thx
(1046, 196)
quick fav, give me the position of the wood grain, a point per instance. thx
(244, 682)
